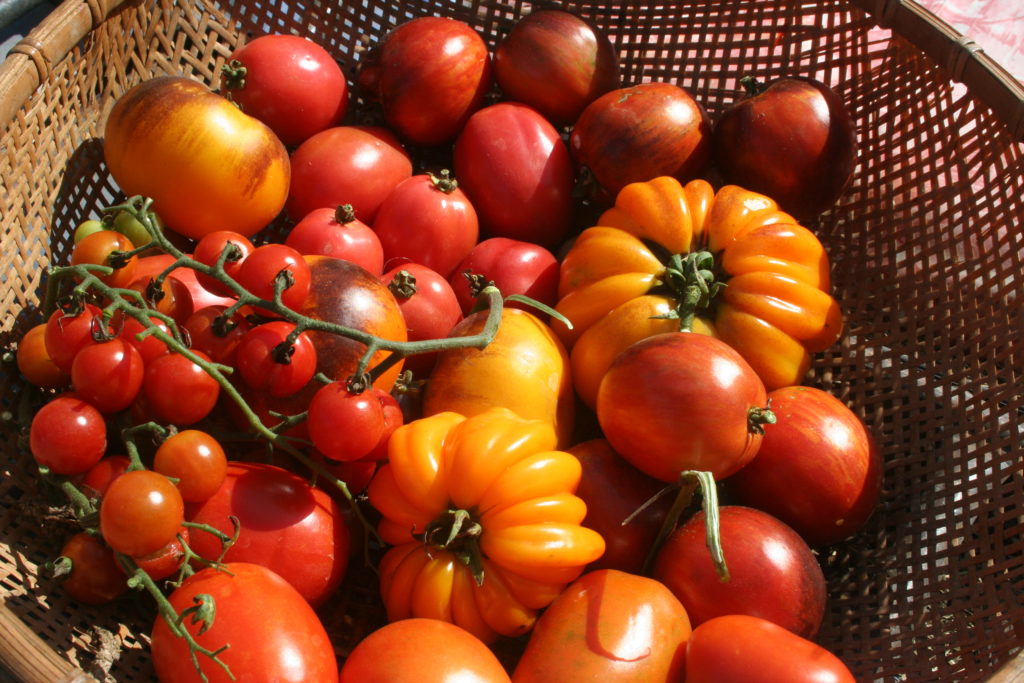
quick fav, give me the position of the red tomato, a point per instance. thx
(428, 304)
(95, 577)
(434, 73)
(682, 401)
(273, 633)
(260, 271)
(818, 468)
(149, 347)
(288, 526)
(516, 170)
(184, 285)
(422, 651)
(67, 332)
(141, 512)
(289, 83)
(744, 649)
(356, 474)
(427, 219)
(357, 165)
(608, 626)
(166, 561)
(208, 251)
(171, 378)
(214, 335)
(513, 266)
(772, 572)
(97, 480)
(98, 247)
(196, 460)
(35, 363)
(108, 374)
(68, 435)
(268, 361)
(338, 233)
(345, 426)
(394, 418)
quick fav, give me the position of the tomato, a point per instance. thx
(35, 363)
(429, 307)
(288, 526)
(772, 572)
(682, 401)
(86, 228)
(394, 417)
(608, 625)
(288, 82)
(613, 491)
(172, 377)
(141, 512)
(214, 335)
(97, 479)
(338, 233)
(743, 649)
(206, 164)
(68, 435)
(513, 266)
(98, 248)
(149, 347)
(641, 132)
(94, 577)
(196, 460)
(166, 561)
(261, 270)
(355, 473)
(357, 165)
(345, 426)
(514, 167)
(272, 632)
(557, 63)
(108, 374)
(666, 243)
(525, 369)
(791, 139)
(268, 359)
(421, 651)
(208, 251)
(427, 219)
(434, 73)
(818, 468)
(189, 294)
(68, 331)
(460, 496)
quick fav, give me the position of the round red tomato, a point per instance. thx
(772, 572)
(166, 561)
(97, 480)
(357, 165)
(98, 248)
(35, 363)
(196, 460)
(209, 250)
(171, 378)
(682, 401)
(339, 234)
(68, 331)
(428, 304)
(427, 219)
(141, 512)
(269, 360)
(150, 346)
(516, 170)
(289, 83)
(433, 73)
(108, 374)
(68, 435)
(262, 269)
(513, 266)
(94, 577)
(422, 651)
(343, 425)
(214, 335)
(274, 635)
(294, 529)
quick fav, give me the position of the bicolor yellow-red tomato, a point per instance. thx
(484, 521)
(653, 259)
(207, 165)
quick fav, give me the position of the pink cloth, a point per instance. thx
(997, 26)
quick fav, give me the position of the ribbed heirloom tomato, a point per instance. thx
(484, 523)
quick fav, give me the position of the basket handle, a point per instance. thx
(28, 658)
(29, 62)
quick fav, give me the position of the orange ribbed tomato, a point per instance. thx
(484, 521)
(657, 260)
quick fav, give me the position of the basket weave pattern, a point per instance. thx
(928, 265)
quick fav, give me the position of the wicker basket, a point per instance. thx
(928, 265)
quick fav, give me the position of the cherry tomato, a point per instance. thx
(98, 248)
(422, 651)
(273, 633)
(427, 219)
(772, 572)
(108, 374)
(355, 473)
(208, 251)
(288, 82)
(171, 378)
(342, 425)
(196, 460)
(150, 346)
(261, 268)
(166, 561)
(429, 306)
(357, 165)
(141, 512)
(68, 435)
(95, 577)
(294, 529)
(269, 361)
(516, 170)
(97, 480)
(513, 266)
(394, 418)
(743, 649)
(214, 335)
(35, 363)
(171, 297)
(338, 233)
(67, 332)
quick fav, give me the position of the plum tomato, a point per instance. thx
(196, 459)
(68, 435)
(339, 234)
(513, 266)
(141, 512)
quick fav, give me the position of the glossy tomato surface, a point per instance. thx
(513, 266)
(272, 633)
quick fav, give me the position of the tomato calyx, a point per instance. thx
(444, 182)
(758, 417)
(458, 532)
(691, 278)
(344, 214)
(753, 86)
(233, 75)
(403, 284)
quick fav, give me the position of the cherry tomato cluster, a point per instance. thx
(509, 306)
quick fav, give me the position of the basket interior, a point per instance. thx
(927, 265)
